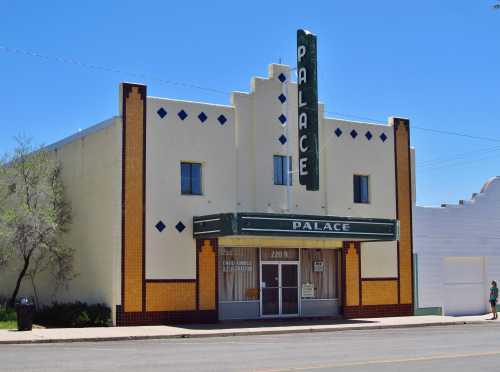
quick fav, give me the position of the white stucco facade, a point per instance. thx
(235, 145)
(237, 162)
(458, 252)
(91, 173)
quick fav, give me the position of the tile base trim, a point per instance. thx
(378, 311)
(164, 317)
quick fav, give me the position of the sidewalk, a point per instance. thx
(228, 329)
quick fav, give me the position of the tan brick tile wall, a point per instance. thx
(404, 211)
(207, 276)
(352, 276)
(379, 292)
(171, 296)
(133, 206)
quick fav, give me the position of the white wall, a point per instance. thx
(238, 170)
(237, 160)
(171, 254)
(379, 260)
(91, 173)
(469, 230)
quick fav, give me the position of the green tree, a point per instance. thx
(34, 215)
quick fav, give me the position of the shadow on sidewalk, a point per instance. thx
(265, 323)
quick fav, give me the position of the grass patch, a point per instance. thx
(8, 324)
(8, 318)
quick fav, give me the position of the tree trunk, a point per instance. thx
(12, 301)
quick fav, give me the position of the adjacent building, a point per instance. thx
(189, 211)
(457, 253)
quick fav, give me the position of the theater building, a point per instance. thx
(189, 211)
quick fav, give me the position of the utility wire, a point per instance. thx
(456, 134)
(70, 61)
(465, 155)
(446, 132)
(425, 162)
(75, 62)
(462, 163)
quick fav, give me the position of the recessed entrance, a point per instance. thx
(279, 289)
(264, 282)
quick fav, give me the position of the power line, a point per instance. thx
(446, 132)
(75, 62)
(441, 161)
(462, 163)
(456, 134)
(344, 115)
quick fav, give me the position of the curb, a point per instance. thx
(234, 333)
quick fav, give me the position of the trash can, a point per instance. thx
(25, 310)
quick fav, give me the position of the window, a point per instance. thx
(238, 274)
(282, 170)
(190, 178)
(361, 190)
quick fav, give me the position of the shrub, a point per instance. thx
(74, 314)
(7, 314)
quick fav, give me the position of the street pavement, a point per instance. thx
(471, 347)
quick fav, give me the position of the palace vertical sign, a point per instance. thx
(307, 110)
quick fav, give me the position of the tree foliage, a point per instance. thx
(34, 214)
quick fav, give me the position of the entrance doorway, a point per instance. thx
(279, 289)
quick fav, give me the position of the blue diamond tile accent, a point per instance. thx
(282, 98)
(182, 114)
(162, 112)
(282, 77)
(338, 132)
(353, 133)
(282, 139)
(282, 119)
(368, 135)
(222, 119)
(202, 117)
(160, 226)
(180, 226)
(383, 137)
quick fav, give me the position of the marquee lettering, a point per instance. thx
(307, 102)
(321, 226)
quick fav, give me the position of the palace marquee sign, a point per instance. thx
(342, 228)
(307, 82)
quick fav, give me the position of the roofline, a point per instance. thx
(191, 102)
(80, 134)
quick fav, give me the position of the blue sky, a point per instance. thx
(435, 62)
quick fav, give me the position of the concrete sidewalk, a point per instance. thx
(228, 329)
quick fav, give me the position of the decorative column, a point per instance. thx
(207, 279)
(402, 160)
(351, 273)
(133, 110)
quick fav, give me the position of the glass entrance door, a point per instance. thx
(279, 288)
(289, 289)
(270, 289)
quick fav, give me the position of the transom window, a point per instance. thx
(282, 170)
(361, 189)
(191, 178)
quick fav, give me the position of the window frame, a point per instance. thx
(285, 175)
(360, 192)
(190, 191)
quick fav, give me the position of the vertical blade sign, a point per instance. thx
(307, 81)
